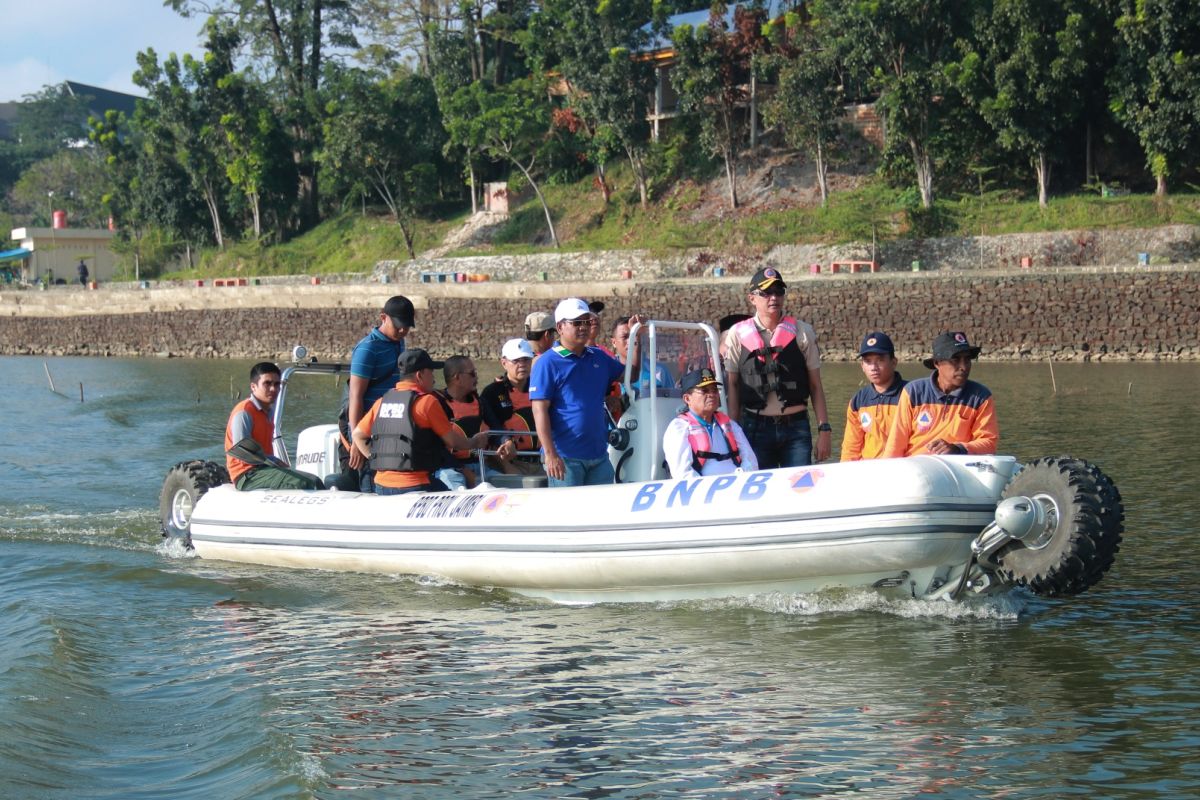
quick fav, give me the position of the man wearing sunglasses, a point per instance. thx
(373, 373)
(774, 371)
(567, 388)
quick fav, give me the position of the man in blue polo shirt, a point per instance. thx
(567, 389)
(373, 372)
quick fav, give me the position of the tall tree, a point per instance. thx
(1023, 72)
(909, 46)
(389, 133)
(592, 45)
(1156, 84)
(712, 77)
(292, 37)
(808, 98)
(509, 123)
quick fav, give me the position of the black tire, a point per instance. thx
(184, 484)
(1083, 533)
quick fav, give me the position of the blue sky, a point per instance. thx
(89, 41)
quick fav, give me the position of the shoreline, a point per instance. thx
(1068, 314)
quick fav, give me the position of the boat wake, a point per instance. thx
(1007, 606)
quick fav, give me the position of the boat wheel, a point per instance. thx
(1084, 523)
(182, 487)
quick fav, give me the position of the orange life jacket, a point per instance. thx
(262, 430)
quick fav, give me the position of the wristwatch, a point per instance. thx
(824, 427)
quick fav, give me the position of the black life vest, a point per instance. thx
(777, 366)
(398, 444)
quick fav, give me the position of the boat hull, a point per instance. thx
(905, 525)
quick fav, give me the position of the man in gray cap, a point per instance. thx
(945, 413)
(871, 411)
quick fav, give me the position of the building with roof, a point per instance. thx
(50, 254)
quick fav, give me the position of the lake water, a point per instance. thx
(130, 671)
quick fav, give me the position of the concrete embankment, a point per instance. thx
(1126, 313)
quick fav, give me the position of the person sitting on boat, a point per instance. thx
(406, 435)
(568, 387)
(870, 412)
(460, 401)
(539, 331)
(945, 413)
(373, 373)
(703, 440)
(774, 369)
(250, 435)
(623, 349)
(504, 403)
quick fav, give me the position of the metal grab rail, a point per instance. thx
(503, 434)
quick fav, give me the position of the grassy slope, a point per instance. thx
(354, 242)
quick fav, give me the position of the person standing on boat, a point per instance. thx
(568, 387)
(250, 434)
(871, 411)
(373, 373)
(703, 440)
(539, 331)
(406, 435)
(945, 413)
(623, 349)
(774, 369)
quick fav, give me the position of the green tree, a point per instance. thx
(292, 38)
(1156, 84)
(509, 123)
(181, 122)
(808, 98)
(592, 45)
(711, 73)
(388, 134)
(47, 122)
(71, 180)
(908, 46)
(1024, 72)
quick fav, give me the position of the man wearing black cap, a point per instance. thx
(945, 413)
(702, 440)
(871, 411)
(774, 368)
(373, 372)
(406, 433)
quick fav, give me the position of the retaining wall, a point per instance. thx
(1128, 314)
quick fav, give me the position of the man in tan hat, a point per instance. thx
(774, 369)
(539, 331)
(945, 413)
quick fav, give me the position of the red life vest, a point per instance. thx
(701, 444)
(262, 430)
(777, 367)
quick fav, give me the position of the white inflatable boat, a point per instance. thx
(927, 527)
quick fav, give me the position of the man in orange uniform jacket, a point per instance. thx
(871, 411)
(945, 413)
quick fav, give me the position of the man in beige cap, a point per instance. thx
(539, 331)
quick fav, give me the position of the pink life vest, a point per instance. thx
(701, 444)
(779, 367)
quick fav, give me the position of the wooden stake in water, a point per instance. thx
(1053, 383)
(81, 391)
(46, 367)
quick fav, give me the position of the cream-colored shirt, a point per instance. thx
(806, 340)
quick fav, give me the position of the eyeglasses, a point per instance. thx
(776, 292)
(580, 323)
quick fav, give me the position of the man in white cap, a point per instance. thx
(567, 387)
(945, 413)
(504, 403)
(702, 440)
(539, 331)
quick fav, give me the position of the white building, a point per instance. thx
(54, 253)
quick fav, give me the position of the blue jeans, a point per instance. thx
(584, 472)
(424, 487)
(783, 443)
(452, 477)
